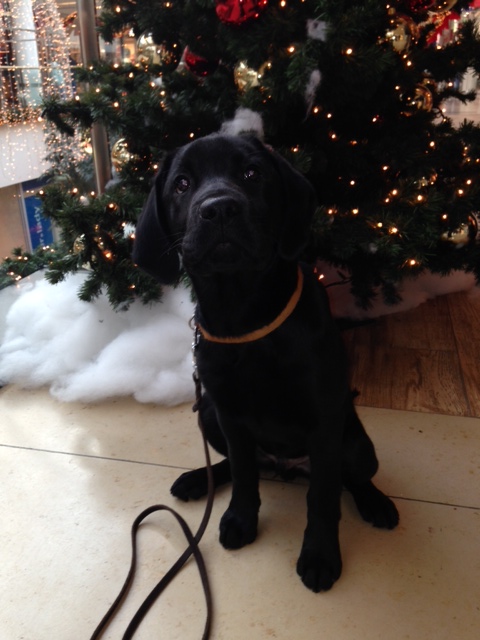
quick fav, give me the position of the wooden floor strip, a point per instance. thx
(426, 359)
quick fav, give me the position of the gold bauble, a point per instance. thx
(246, 78)
(423, 98)
(79, 244)
(442, 5)
(149, 52)
(466, 233)
(401, 33)
(121, 154)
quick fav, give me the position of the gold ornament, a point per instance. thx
(466, 233)
(121, 155)
(423, 98)
(402, 32)
(246, 78)
(79, 244)
(443, 5)
(149, 52)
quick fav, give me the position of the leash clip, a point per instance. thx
(196, 378)
(196, 339)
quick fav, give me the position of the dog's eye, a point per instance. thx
(182, 184)
(252, 173)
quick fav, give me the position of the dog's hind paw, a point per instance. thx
(191, 485)
(318, 573)
(236, 531)
(375, 507)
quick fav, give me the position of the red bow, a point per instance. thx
(238, 11)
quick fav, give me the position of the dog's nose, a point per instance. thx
(224, 206)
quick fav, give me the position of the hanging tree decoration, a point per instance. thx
(237, 12)
(466, 233)
(422, 6)
(402, 32)
(198, 65)
(246, 78)
(121, 154)
(442, 5)
(149, 52)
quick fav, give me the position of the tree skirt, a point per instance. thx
(88, 352)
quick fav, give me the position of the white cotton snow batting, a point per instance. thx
(87, 351)
(244, 121)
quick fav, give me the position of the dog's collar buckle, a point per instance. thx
(263, 331)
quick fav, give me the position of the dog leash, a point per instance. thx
(192, 549)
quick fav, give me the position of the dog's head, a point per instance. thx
(222, 204)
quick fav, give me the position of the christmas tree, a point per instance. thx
(350, 91)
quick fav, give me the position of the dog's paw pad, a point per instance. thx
(237, 531)
(191, 485)
(317, 573)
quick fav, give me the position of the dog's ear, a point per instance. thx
(299, 203)
(153, 250)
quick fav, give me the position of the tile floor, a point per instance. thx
(75, 476)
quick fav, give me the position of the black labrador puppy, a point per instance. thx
(236, 216)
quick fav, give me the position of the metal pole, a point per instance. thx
(90, 53)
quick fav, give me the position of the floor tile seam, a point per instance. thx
(420, 500)
(95, 457)
(437, 502)
(180, 468)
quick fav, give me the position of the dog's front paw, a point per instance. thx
(237, 530)
(317, 572)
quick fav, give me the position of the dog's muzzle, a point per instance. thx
(220, 208)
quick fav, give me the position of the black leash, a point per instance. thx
(192, 549)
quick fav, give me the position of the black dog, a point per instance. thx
(236, 216)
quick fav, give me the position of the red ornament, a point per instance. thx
(199, 65)
(239, 11)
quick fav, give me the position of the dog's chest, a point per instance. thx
(267, 382)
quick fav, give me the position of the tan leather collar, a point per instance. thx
(263, 331)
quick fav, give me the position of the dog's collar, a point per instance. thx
(263, 331)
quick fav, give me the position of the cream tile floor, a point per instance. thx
(75, 476)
